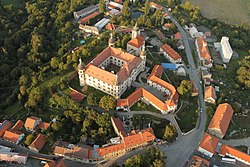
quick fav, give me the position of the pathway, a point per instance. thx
(237, 142)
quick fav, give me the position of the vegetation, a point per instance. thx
(140, 106)
(153, 157)
(107, 102)
(186, 88)
(29, 139)
(170, 133)
(242, 148)
(244, 72)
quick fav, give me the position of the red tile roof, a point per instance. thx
(137, 42)
(166, 25)
(154, 5)
(77, 96)
(30, 122)
(110, 26)
(39, 142)
(86, 19)
(59, 163)
(12, 135)
(210, 92)
(42, 125)
(177, 36)
(5, 125)
(17, 125)
(222, 118)
(119, 125)
(229, 151)
(209, 143)
(203, 48)
(199, 162)
(171, 52)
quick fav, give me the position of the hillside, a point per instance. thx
(229, 11)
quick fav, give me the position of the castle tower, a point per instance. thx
(143, 56)
(111, 40)
(135, 31)
(81, 72)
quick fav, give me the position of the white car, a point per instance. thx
(201, 110)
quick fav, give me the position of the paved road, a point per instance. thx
(237, 142)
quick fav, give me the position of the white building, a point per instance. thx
(13, 157)
(102, 23)
(226, 51)
(86, 11)
(89, 29)
(170, 54)
(193, 32)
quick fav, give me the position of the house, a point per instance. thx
(178, 36)
(193, 32)
(18, 125)
(114, 5)
(137, 43)
(13, 157)
(38, 143)
(166, 26)
(89, 29)
(13, 136)
(166, 16)
(77, 96)
(5, 125)
(42, 125)
(203, 52)
(180, 45)
(170, 54)
(208, 145)
(53, 163)
(110, 26)
(32, 122)
(87, 18)
(155, 6)
(197, 161)
(210, 95)
(221, 120)
(234, 153)
(102, 23)
(86, 11)
(101, 74)
(118, 127)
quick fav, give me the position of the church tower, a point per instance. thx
(111, 40)
(81, 72)
(135, 31)
(143, 56)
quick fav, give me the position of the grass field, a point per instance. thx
(229, 11)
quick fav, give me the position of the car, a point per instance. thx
(201, 110)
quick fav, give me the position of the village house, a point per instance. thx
(89, 29)
(197, 161)
(4, 126)
(221, 120)
(208, 145)
(170, 54)
(87, 18)
(13, 136)
(155, 6)
(13, 157)
(210, 95)
(31, 123)
(86, 11)
(59, 163)
(38, 143)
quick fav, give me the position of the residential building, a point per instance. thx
(221, 120)
(5, 125)
(86, 11)
(18, 125)
(5, 149)
(38, 143)
(112, 71)
(114, 5)
(208, 145)
(166, 16)
(87, 18)
(194, 32)
(118, 126)
(77, 96)
(155, 6)
(178, 36)
(234, 153)
(13, 157)
(32, 122)
(166, 26)
(89, 29)
(110, 26)
(197, 161)
(210, 94)
(42, 125)
(203, 52)
(170, 54)
(59, 163)
(137, 43)
(13, 136)
(226, 51)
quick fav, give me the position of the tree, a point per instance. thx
(107, 102)
(170, 133)
(35, 96)
(29, 139)
(243, 72)
(185, 88)
(102, 6)
(56, 126)
(54, 62)
(147, 8)
(125, 10)
(23, 80)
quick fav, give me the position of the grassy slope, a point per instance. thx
(230, 11)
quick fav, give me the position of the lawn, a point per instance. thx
(229, 11)
(140, 106)
(11, 110)
(16, 4)
(188, 115)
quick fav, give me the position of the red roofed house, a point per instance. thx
(155, 6)
(221, 120)
(5, 125)
(170, 54)
(18, 125)
(38, 143)
(199, 162)
(32, 122)
(77, 96)
(234, 153)
(208, 145)
(13, 136)
(178, 36)
(210, 95)
(166, 26)
(59, 163)
(203, 52)
(118, 127)
(110, 26)
(137, 42)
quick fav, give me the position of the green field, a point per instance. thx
(229, 11)
(15, 3)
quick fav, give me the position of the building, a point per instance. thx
(199, 162)
(59, 163)
(13, 136)
(89, 29)
(234, 153)
(86, 11)
(208, 145)
(118, 126)
(210, 95)
(203, 52)
(114, 5)
(18, 125)
(5, 125)
(31, 123)
(136, 44)
(194, 32)
(225, 49)
(155, 6)
(77, 96)
(87, 18)
(38, 143)
(102, 23)
(178, 36)
(110, 26)
(170, 54)
(221, 120)
(112, 71)
(166, 26)
(13, 157)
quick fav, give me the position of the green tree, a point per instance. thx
(29, 139)
(107, 102)
(92, 99)
(170, 133)
(125, 10)
(54, 62)
(147, 8)
(185, 88)
(102, 6)
(35, 96)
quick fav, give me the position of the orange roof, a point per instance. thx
(39, 142)
(110, 26)
(12, 135)
(199, 162)
(102, 151)
(178, 36)
(226, 150)
(203, 48)
(131, 62)
(209, 143)
(119, 125)
(171, 52)
(59, 163)
(4, 126)
(30, 122)
(42, 125)
(77, 96)
(154, 5)
(137, 42)
(86, 19)
(157, 71)
(222, 118)
(210, 92)
(17, 125)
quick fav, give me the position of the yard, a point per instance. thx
(140, 106)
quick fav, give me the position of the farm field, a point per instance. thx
(229, 11)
